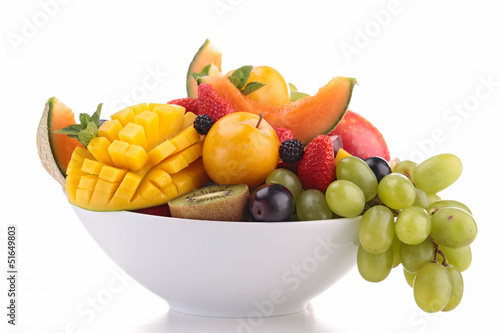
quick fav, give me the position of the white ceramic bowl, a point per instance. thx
(227, 269)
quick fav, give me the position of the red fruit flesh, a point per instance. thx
(162, 210)
(360, 137)
(211, 104)
(283, 134)
(190, 104)
(316, 169)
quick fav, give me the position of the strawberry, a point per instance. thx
(283, 133)
(211, 104)
(190, 104)
(360, 137)
(316, 169)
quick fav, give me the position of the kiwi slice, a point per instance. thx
(216, 202)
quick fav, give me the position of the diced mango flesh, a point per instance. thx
(146, 155)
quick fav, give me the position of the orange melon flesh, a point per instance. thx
(306, 117)
(60, 116)
(207, 54)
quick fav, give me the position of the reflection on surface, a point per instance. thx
(304, 321)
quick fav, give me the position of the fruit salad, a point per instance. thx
(246, 146)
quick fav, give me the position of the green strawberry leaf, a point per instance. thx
(86, 130)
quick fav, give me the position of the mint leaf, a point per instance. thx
(71, 131)
(251, 87)
(86, 130)
(239, 79)
(96, 117)
(88, 134)
(240, 76)
(85, 119)
(205, 71)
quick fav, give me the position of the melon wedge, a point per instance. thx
(306, 117)
(207, 54)
(55, 149)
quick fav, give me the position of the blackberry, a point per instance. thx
(291, 151)
(203, 123)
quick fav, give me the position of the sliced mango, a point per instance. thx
(146, 155)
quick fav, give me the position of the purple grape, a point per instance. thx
(271, 203)
(379, 166)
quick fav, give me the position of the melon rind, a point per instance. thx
(43, 145)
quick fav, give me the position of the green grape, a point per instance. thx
(286, 178)
(421, 200)
(437, 173)
(457, 288)
(453, 227)
(356, 170)
(374, 267)
(413, 225)
(432, 287)
(433, 198)
(414, 256)
(409, 277)
(447, 203)
(311, 206)
(345, 198)
(405, 168)
(376, 230)
(396, 191)
(460, 257)
(396, 244)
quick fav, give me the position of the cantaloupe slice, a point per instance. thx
(306, 117)
(207, 54)
(55, 149)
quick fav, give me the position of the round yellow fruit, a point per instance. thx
(236, 151)
(275, 91)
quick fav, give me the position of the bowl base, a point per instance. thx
(255, 311)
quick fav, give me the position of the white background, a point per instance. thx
(417, 63)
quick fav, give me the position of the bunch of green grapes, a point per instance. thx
(404, 221)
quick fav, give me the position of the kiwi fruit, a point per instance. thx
(215, 202)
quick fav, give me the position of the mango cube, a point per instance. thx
(138, 108)
(117, 152)
(188, 120)
(110, 129)
(136, 157)
(150, 122)
(99, 147)
(133, 134)
(112, 174)
(170, 120)
(124, 116)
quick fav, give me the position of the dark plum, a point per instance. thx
(271, 203)
(379, 166)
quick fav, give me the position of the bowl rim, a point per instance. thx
(158, 218)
